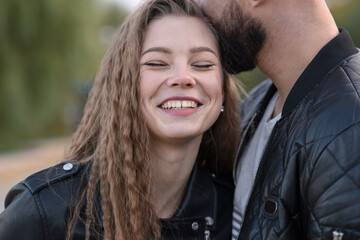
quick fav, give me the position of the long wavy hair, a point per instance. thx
(113, 139)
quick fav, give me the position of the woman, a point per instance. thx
(152, 131)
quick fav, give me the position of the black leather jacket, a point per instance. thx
(308, 182)
(38, 207)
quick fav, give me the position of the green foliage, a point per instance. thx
(51, 48)
(47, 47)
(348, 16)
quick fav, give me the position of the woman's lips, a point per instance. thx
(180, 106)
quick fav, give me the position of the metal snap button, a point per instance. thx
(209, 221)
(271, 207)
(195, 226)
(68, 166)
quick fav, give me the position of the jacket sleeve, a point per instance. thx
(331, 187)
(21, 219)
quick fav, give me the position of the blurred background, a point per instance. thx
(50, 51)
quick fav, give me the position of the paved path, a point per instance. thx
(16, 166)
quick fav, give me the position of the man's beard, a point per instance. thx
(241, 38)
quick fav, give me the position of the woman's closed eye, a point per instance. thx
(203, 66)
(155, 64)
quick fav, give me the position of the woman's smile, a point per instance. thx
(180, 106)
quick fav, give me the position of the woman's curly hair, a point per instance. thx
(114, 139)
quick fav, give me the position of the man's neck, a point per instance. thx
(288, 51)
(172, 164)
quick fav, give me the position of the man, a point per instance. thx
(297, 172)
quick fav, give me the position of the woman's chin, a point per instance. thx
(179, 136)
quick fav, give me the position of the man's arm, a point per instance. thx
(331, 191)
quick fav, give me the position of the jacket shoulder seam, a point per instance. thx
(43, 215)
(350, 79)
(49, 176)
(40, 210)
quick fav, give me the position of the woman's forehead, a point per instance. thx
(179, 30)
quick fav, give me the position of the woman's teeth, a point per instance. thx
(179, 104)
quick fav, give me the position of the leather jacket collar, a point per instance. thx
(328, 58)
(193, 216)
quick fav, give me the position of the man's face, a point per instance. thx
(241, 36)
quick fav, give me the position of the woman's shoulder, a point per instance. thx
(55, 176)
(41, 202)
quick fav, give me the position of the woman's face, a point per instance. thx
(180, 78)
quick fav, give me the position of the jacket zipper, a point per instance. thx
(209, 222)
(337, 235)
(207, 234)
(240, 145)
(257, 175)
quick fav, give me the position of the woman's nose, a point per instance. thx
(182, 78)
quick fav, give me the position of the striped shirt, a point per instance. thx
(248, 165)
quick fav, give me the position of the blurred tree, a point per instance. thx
(46, 48)
(49, 49)
(347, 15)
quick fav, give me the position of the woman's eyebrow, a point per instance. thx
(202, 49)
(157, 49)
(168, 50)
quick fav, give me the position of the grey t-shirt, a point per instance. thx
(248, 165)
